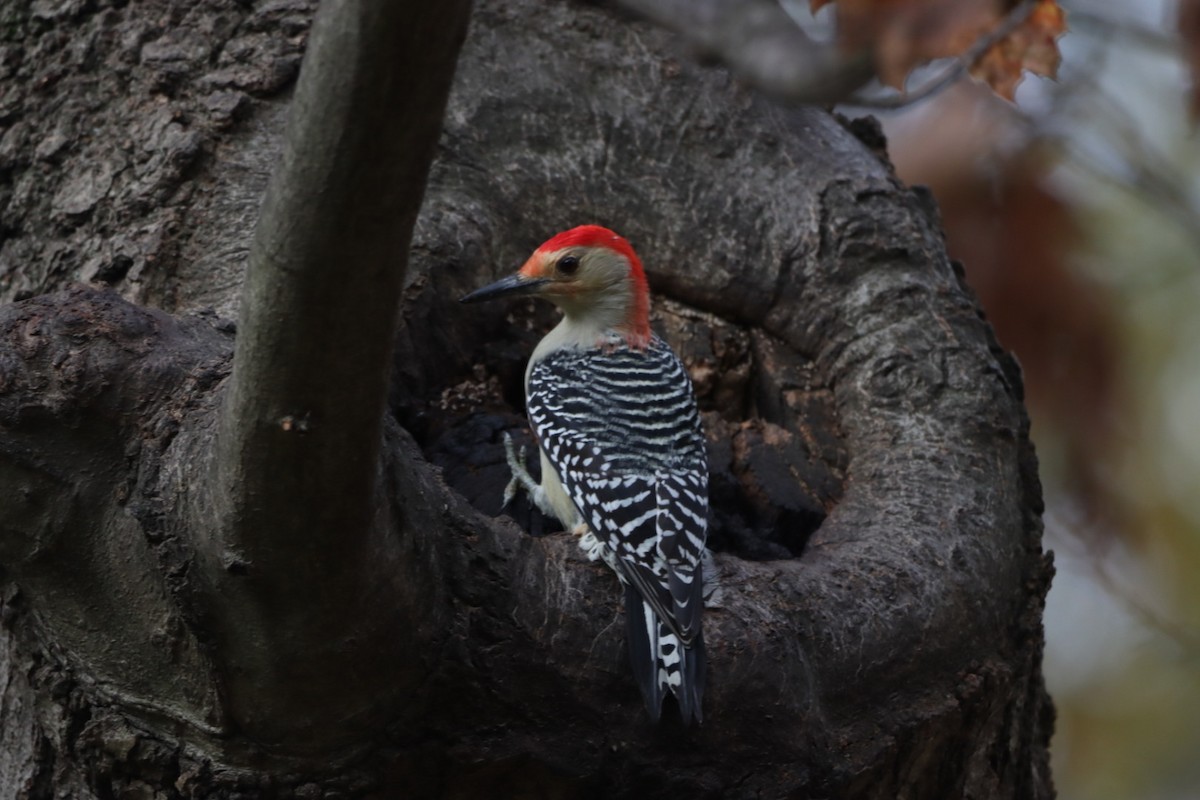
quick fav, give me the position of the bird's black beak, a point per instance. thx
(513, 285)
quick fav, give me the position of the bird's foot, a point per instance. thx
(521, 479)
(520, 475)
(588, 543)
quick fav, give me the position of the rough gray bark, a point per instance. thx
(875, 493)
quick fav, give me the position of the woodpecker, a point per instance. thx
(623, 459)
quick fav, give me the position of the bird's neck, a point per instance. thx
(622, 311)
(597, 325)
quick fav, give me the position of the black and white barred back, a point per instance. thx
(621, 427)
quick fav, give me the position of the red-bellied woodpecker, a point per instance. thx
(623, 456)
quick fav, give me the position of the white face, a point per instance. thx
(583, 279)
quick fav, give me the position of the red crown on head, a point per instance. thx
(599, 236)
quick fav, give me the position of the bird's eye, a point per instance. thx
(568, 265)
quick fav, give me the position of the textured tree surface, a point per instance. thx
(875, 497)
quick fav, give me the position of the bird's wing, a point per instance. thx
(621, 428)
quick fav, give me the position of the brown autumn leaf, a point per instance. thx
(1189, 32)
(903, 34)
(1032, 46)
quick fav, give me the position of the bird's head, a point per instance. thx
(589, 272)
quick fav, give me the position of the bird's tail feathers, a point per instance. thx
(661, 663)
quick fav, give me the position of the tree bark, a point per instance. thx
(876, 503)
(294, 501)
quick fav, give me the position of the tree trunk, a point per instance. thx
(876, 506)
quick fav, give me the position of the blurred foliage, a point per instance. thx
(902, 34)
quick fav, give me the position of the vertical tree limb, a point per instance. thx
(297, 458)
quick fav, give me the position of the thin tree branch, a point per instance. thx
(953, 73)
(1095, 551)
(1132, 164)
(299, 439)
(761, 43)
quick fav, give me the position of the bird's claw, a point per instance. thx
(517, 465)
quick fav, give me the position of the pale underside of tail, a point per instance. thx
(661, 663)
